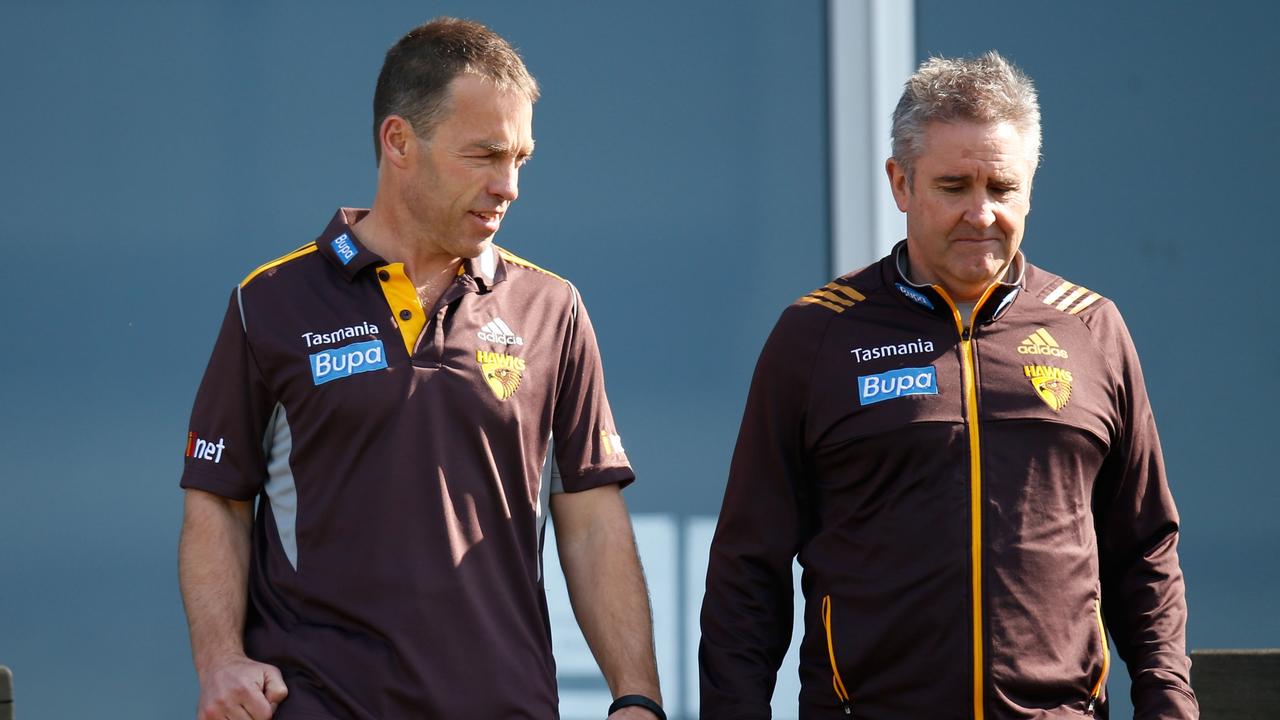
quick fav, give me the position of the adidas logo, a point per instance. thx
(496, 331)
(1041, 342)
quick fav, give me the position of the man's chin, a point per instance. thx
(475, 250)
(982, 271)
(970, 282)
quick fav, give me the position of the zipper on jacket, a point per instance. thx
(1106, 659)
(969, 377)
(836, 682)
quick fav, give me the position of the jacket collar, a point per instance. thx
(934, 300)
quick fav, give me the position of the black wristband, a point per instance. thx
(638, 701)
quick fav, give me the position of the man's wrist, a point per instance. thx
(212, 660)
(638, 701)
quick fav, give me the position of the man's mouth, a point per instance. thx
(490, 219)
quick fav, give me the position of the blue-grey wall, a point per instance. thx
(1159, 153)
(151, 153)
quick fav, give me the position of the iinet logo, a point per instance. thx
(204, 449)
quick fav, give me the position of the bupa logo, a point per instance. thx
(896, 383)
(915, 295)
(343, 247)
(202, 449)
(338, 363)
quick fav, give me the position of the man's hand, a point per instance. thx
(240, 689)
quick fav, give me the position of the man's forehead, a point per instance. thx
(482, 114)
(948, 134)
(470, 93)
(1001, 145)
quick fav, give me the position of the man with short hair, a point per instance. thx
(389, 395)
(958, 448)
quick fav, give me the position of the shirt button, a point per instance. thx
(383, 275)
(405, 315)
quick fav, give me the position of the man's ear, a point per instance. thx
(898, 182)
(398, 140)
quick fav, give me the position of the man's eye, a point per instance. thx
(952, 189)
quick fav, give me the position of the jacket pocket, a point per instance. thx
(1101, 682)
(836, 682)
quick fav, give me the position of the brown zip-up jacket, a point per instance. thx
(970, 507)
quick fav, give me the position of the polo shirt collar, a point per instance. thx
(488, 268)
(349, 256)
(339, 244)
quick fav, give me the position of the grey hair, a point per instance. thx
(987, 89)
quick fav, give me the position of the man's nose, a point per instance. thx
(506, 183)
(981, 211)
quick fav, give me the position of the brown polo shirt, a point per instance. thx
(398, 462)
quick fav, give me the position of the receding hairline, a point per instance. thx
(527, 90)
(1025, 132)
(445, 107)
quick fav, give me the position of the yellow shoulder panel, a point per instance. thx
(304, 250)
(517, 260)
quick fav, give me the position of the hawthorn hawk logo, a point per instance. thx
(502, 372)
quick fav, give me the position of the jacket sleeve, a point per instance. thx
(747, 609)
(1143, 595)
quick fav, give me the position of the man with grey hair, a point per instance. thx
(388, 396)
(958, 447)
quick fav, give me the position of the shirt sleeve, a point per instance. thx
(588, 448)
(224, 451)
(1143, 594)
(747, 609)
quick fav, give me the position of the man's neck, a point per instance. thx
(904, 267)
(394, 238)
